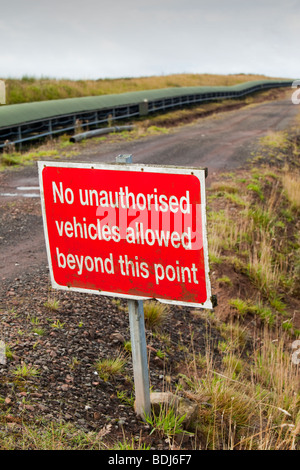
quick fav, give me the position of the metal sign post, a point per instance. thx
(138, 344)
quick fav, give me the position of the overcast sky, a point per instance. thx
(125, 38)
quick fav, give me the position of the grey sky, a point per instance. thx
(98, 39)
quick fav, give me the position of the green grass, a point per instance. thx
(57, 324)
(26, 158)
(277, 140)
(247, 307)
(257, 240)
(39, 331)
(225, 280)
(52, 304)
(235, 335)
(250, 404)
(236, 199)
(245, 384)
(8, 352)
(233, 365)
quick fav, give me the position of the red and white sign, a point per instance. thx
(131, 231)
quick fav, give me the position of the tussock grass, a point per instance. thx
(246, 385)
(55, 436)
(249, 402)
(224, 187)
(25, 371)
(224, 234)
(277, 140)
(52, 303)
(257, 238)
(27, 158)
(291, 185)
(108, 368)
(252, 402)
(263, 269)
(248, 307)
(235, 334)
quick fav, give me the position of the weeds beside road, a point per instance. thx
(235, 362)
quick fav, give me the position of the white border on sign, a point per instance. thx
(199, 173)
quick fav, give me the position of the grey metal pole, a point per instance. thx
(138, 344)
